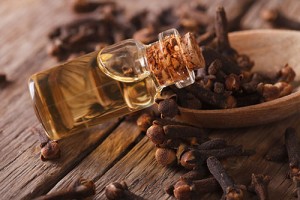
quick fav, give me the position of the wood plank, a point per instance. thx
(27, 176)
(115, 146)
(140, 171)
(24, 27)
(146, 178)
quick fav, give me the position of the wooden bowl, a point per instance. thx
(270, 49)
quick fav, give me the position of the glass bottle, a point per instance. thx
(115, 81)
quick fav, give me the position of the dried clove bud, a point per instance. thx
(226, 152)
(144, 121)
(195, 174)
(293, 150)
(164, 122)
(244, 62)
(214, 67)
(49, 148)
(165, 156)
(190, 159)
(259, 185)
(279, 19)
(168, 108)
(224, 46)
(188, 190)
(230, 189)
(186, 99)
(274, 91)
(233, 82)
(211, 98)
(286, 74)
(117, 191)
(219, 88)
(228, 66)
(79, 37)
(156, 134)
(80, 189)
(50, 151)
(213, 144)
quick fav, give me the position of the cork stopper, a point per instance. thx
(173, 58)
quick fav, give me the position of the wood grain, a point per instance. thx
(146, 178)
(25, 53)
(24, 27)
(109, 152)
(27, 176)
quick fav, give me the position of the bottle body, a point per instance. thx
(121, 78)
(76, 95)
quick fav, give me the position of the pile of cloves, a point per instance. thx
(49, 148)
(189, 147)
(106, 22)
(226, 81)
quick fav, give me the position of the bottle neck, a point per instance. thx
(170, 60)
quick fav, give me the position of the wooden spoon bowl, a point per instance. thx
(270, 50)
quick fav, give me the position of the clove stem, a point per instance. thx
(230, 189)
(259, 184)
(81, 188)
(293, 151)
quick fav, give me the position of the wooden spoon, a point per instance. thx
(270, 50)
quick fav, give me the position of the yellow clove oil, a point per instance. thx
(113, 82)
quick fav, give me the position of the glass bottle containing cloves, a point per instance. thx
(115, 81)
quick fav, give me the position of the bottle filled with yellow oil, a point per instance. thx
(119, 79)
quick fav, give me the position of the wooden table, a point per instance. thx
(116, 150)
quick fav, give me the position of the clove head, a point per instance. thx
(234, 193)
(50, 151)
(116, 190)
(168, 108)
(84, 187)
(165, 156)
(286, 74)
(182, 190)
(190, 159)
(156, 134)
(233, 82)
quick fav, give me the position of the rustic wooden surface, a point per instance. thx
(116, 150)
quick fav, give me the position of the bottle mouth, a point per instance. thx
(170, 60)
(124, 61)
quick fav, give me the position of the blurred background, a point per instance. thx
(70, 28)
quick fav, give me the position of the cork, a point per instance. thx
(174, 58)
